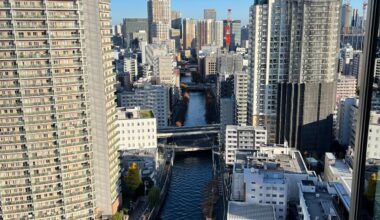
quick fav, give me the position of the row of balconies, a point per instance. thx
(40, 6)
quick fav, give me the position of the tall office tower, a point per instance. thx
(235, 34)
(240, 98)
(133, 25)
(306, 103)
(209, 14)
(204, 33)
(176, 20)
(159, 20)
(244, 35)
(217, 34)
(57, 103)
(345, 22)
(269, 58)
(188, 33)
(355, 18)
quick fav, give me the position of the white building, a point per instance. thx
(337, 171)
(316, 202)
(218, 36)
(269, 176)
(240, 96)
(137, 129)
(154, 97)
(162, 63)
(268, 187)
(243, 138)
(131, 68)
(345, 87)
(268, 56)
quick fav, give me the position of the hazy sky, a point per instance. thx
(190, 8)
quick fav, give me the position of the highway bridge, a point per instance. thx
(183, 149)
(198, 86)
(187, 131)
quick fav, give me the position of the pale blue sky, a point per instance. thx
(190, 8)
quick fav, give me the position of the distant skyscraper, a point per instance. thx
(189, 34)
(159, 20)
(235, 34)
(346, 18)
(176, 20)
(59, 144)
(217, 34)
(205, 30)
(209, 14)
(133, 25)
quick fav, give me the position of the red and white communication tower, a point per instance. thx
(227, 30)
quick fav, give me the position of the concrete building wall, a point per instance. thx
(243, 138)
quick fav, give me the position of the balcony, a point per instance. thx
(72, 36)
(31, 27)
(33, 56)
(33, 47)
(77, 45)
(78, 54)
(72, 64)
(29, 6)
(8, 47)
(61, 7)
(29, 17)
(63, 17)
(32, 37)
(52, 27)
(9, 57)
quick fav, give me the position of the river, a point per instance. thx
(191, 172)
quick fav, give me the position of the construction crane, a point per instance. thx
(227, 30)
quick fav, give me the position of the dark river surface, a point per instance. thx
(191, 172)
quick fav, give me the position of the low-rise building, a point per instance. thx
(137, 129)
(336, 170)
(269, 176)
(243, 138)
(248, 211)
(153, 97)
(316, 201)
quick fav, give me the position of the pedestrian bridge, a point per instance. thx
(187, 131)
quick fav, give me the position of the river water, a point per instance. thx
(191, 172)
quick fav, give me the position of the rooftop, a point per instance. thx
(271, 158)
(243, 211)
(134, 113)
(320, 205)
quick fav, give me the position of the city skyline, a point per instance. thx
(196, 109)
(191, 9)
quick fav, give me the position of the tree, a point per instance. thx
(118, 216)
(133, 179)
(154, 196)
